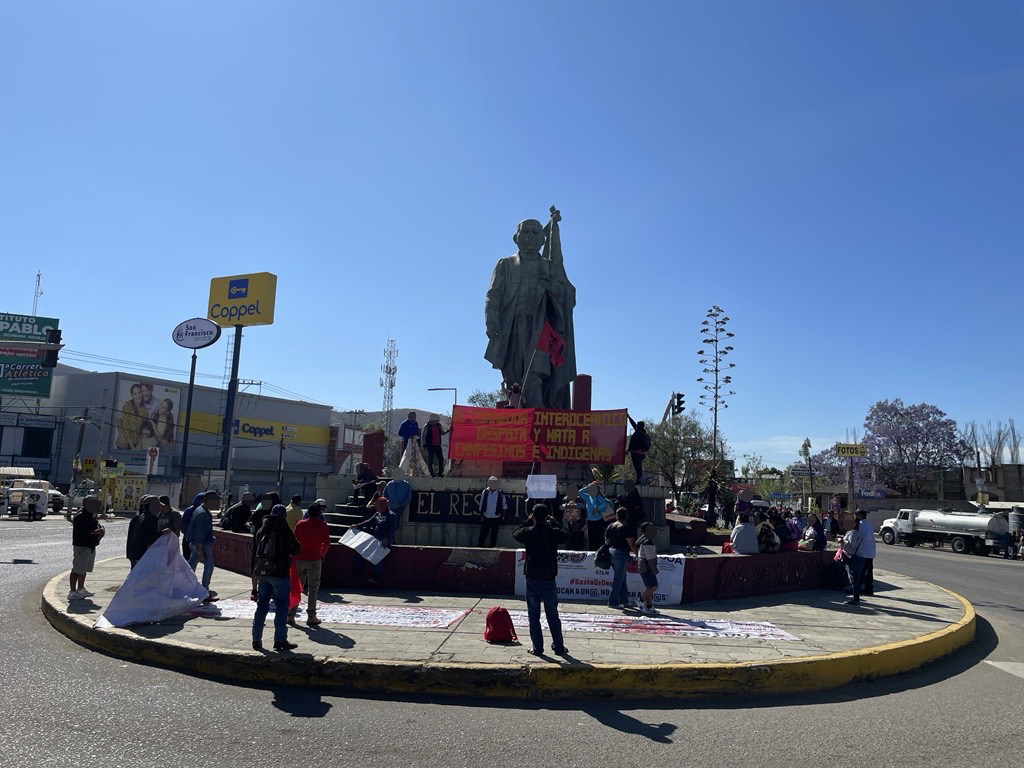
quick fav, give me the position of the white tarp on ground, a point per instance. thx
(661, 625)
(579, 579)
(160, 586)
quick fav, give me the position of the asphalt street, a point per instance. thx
(67, 706)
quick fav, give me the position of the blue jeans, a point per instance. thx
(855, 571)
(537, 592)
(193, 561)
(619, 594)
(278, 588)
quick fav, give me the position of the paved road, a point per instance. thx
(67, 706)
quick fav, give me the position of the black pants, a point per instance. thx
(186, 548)
(595, 533)
(489, 525)
(435, 452)
(868, 576)
(638, 465)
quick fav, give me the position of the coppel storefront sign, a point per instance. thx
(243, 299)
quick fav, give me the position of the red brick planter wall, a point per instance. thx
(492, 571)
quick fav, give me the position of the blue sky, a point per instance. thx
(844, 179)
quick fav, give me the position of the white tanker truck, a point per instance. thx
(976, 532)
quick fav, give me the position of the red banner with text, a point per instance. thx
(537, 434)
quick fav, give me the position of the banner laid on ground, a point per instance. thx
(365, 615)
(535, 434)
(661, 625)
(580, 580)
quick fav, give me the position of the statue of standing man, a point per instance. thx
(527, 289)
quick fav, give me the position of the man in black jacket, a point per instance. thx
(144, 529)
(541, 538)
(272, 548)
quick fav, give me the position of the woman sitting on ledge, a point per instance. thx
(814, 535)
(767, 541)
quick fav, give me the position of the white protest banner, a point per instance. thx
(580, 580)
(366, 545)
(541, 486)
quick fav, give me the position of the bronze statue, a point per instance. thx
(526, 289)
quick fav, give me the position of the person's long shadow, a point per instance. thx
(620, 721)
(300, 702)
(326, 637)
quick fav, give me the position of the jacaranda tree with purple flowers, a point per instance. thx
(909, 445)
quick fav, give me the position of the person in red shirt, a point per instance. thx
(314, 540)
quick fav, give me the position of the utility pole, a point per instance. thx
(76, 465)
(286, 434)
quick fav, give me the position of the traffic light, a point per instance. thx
(50, 355)
(678, 398)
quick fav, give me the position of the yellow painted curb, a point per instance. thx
(521, 681)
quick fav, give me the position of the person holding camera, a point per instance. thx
(541, 538)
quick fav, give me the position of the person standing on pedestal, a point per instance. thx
(597, 507)
(493, 506)
(639, 445)
(410, 429)
(432, 442)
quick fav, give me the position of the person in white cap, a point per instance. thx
(493, 506)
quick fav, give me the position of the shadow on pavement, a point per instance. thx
(300, 702)
(17, 561)
(612, 713)
(326, 636)
(615, 719)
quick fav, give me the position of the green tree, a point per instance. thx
(482, 399)
(681, 449)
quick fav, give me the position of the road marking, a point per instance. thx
(36, 544)
(1013, 667)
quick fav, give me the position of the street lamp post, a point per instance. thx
(446, 389)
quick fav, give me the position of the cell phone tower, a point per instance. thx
(388, 372)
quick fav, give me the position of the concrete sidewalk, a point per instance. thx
(905, 624)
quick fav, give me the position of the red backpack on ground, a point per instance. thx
(499, 627)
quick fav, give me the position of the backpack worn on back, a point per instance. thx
(499, 627)
(266, 554)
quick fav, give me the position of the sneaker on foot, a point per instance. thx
(649, 610)
(563, 651)
(851, 601)
(76, 595)
(257, 645)
(313, 621)
(86, 593)
(535, 652)
(616, 607)
(285, 646)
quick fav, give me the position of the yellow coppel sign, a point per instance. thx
(243, 299)
(246, 428)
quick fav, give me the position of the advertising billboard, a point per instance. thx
(25, 327)
(22, 372)
(243, 299)
(145, 415)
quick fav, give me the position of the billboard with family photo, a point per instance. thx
(145, 416)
